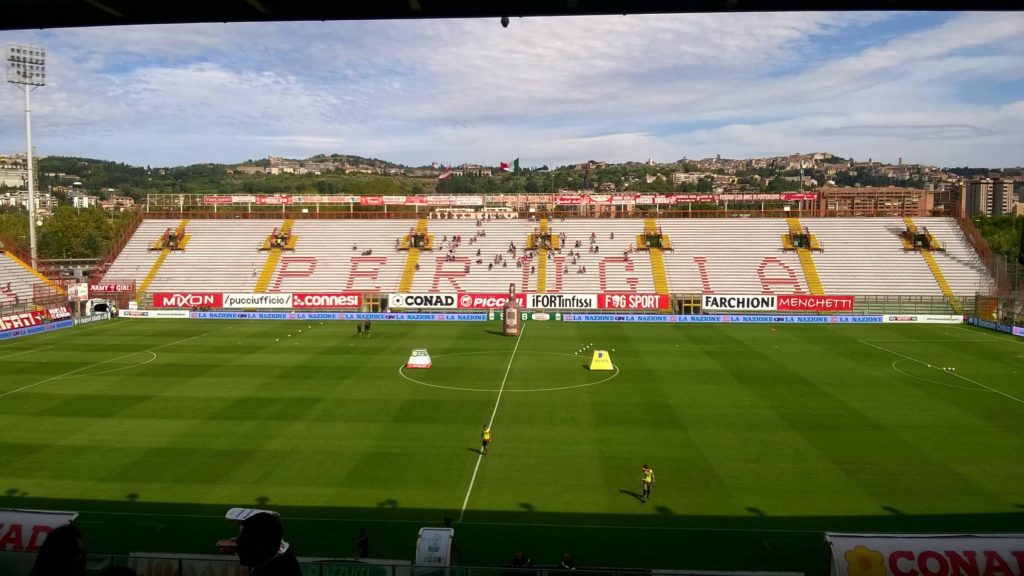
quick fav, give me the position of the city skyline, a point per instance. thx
(933, 88)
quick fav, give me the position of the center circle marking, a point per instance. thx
(401, 372)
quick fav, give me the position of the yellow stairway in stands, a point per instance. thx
(405, 285)
(164, 253)
(940, 279)
(657, 259)
(542, 259)
(806, 260)
(34, 272)
(273, 258)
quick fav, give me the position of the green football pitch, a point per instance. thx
(761, 438)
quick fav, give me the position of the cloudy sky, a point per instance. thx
(935, 88)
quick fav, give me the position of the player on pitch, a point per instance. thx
(646, 481)
(485, 439)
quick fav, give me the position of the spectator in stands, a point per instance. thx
(362, 545)
(260, 547)
(611, 236)
(61, 553)
(567, 562)
(354, 247)
(521, 561)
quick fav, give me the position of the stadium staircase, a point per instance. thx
(412, 259)
(657, 257)
(33, 275)
(730, 256)
(940, 279)
(331, 258)
(438, 274)
(806, 260)
(608, 269)
(723, 256)
(274, 256)
(542, 259)
(140, 293)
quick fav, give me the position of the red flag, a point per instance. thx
(447, 172)
(504, 167)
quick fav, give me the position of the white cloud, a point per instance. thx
(550, 90)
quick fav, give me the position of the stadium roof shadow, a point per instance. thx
(654, 537)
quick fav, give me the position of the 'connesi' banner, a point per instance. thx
(926, 554)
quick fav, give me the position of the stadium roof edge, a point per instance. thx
(28, 14)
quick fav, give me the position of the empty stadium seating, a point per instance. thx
(862, 256)
(731, 256)
(21, 282)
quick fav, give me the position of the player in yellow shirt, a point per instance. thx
(646, 481)
(485, 439)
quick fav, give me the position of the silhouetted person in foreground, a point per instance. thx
(259, 547)
(61, 554)
(362, 545)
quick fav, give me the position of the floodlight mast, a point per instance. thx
(26, 68)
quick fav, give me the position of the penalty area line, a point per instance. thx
(77, 370)
(975, 382)
(494, 412)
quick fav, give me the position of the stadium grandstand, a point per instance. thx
(863, 257)
(780, 449)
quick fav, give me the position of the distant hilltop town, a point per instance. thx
(84, 183)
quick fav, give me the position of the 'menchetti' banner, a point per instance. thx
(926, 555)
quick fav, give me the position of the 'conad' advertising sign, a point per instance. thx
(926, 555)
(766, 302)
(484, 301)
(561, 301)
(187, 300)
(810, 303)
(631, 301)
(25, 530)
(304, 301)
(257, 300)
(423, 301)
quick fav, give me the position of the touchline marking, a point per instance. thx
(476, 468)
(77, 370)
(420, 522)
(129, 367)
(1001, 337)
(25, 352)
(975, 382)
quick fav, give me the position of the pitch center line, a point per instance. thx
(522, 330)
(59, 376)
(975, 382)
